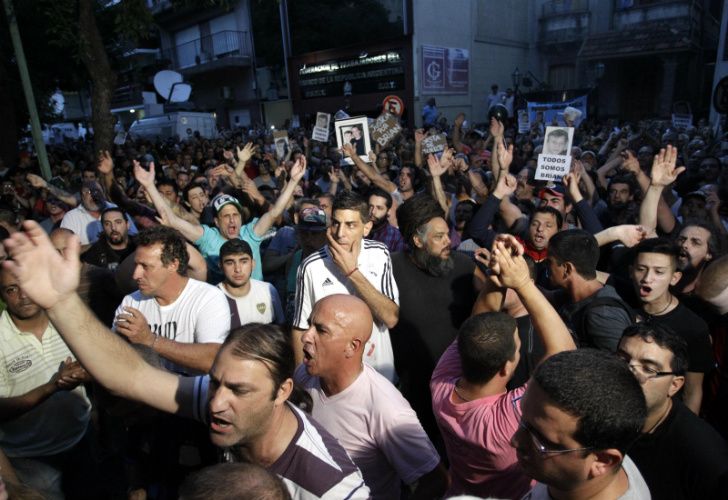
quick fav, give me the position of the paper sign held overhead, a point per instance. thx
(555, 160)
(321, 129)
(280, 139)
(354, 131)
(434, 144)
(385, 128)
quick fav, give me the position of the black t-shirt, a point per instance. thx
(532, 350)
(694, 330)
(431, 310)
(683, 458)
(102, 255)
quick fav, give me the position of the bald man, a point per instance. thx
(360, 407)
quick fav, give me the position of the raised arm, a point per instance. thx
(419, 137)
(437, 169)
(242, 157)
(50, 280)
(664, 172)
(39, 182)
(500, 152)
(268, 218)
(370, 171)
(512, 270)
(167, 216)
(457, 132)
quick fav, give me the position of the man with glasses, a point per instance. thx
(679, 454)
(469, 398)
(578, 417)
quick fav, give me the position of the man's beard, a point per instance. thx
(378, 223)
(432, 264)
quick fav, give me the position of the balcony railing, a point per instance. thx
(208, 49)
(558, 7)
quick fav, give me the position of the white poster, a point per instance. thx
(554, 162)
(321, 129)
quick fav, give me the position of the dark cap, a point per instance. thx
(556, 189)
(311, 219)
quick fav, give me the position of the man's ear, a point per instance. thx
(284, 391)
(368, 228)
(418, 241)
(605, 462)
(676, 276)
(677, 383)
(568, 269)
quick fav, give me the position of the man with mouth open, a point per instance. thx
(114, 245)
(244, 399)
(228, 220)
(361, 408)
(653, 271)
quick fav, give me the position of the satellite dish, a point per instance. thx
(169, 85)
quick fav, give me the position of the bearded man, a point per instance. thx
(436, 294)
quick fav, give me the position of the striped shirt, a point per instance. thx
(319, 277)
(313, 465)
(59, 422)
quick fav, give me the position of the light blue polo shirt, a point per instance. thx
(211, 241)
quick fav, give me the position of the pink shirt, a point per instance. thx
(477, 436)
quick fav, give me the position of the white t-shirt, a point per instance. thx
(86, 226)
(378, 429)
(319, 277)
(199, 315)
(637, 490)
(261, 305)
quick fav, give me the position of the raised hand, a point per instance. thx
(459, 120)
(37, 181)
(630, 162)
(144, 177)
(46, 276)
(571, 181)
(630, 234)
(496, 128)
(298, 169)
(105, 164)
(505, 187)
(436, 167)
(505, 154)
(512, 268)
(664, 172)
(348, 150)
(420, 135)
(246, 153)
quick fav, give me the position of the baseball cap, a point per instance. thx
(225, 199)
(697, 194)
(311, 219)
(556, 189)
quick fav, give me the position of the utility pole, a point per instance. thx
(27, 90)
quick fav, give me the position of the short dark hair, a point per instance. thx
(350, 200)
(546, 209)
(658, 245)
(166, 181)
(578, 247)
(173, 244)
(377, 191)
(235, 246)
(114, 209)
(189, 187)
(415, 213)
(665, 338)
(485, 343)
(629, 180)
(599, 390)
(233, 481)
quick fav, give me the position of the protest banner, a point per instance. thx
(321, 129)
(434, 144)
(385, 128)
(555, 160)
(551, 110)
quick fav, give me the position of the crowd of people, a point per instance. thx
(219, 318)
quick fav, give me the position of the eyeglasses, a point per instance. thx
(537, 443)
(645, 373)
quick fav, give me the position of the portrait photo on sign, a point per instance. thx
(558, 140)
(354, 131)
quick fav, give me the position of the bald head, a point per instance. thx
(351, 313)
